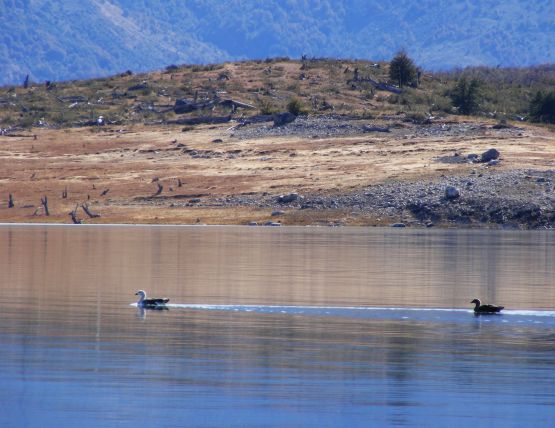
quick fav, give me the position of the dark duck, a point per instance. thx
(143, 302)
(485, 309)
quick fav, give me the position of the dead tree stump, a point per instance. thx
(44, 202)
(160, 189)
(73, 215)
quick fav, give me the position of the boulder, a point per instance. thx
(451, 192)
(489, 155)
(183, 105)
(284, 118)
(286, 199)
(277, 213)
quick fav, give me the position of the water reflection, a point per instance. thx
(291, 327)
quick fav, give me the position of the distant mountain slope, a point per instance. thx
(65, 39)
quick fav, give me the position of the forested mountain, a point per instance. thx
(66, 39)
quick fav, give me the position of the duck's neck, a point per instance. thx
(141, 298)
(478, 304)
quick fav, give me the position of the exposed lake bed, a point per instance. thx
(317, 170)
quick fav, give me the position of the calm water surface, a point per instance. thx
(288, 327)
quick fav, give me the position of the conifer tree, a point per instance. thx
(402, 69)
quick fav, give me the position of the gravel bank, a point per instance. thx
(332, 126)
(515, 199)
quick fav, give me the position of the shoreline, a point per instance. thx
(216, 175)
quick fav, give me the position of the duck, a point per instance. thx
(143, 302)
(486, 309)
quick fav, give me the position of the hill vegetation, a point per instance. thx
(357, 88)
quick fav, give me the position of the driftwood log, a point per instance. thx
(378, 85)
(183, 105)
(91, 214)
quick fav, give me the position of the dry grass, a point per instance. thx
(131, 160)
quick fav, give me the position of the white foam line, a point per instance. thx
(251, 308)
(299, 308)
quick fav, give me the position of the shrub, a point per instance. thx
(266, 107)
(542, 107)
(402, 69)
(466, 95)
(295, 106)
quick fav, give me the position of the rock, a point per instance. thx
(277, 213)
(472, 157)
(370, 128)
(183, 105)
(252, 223)
(489, 155)
(272, 224)
(398, 225)
(138, 87)
(281, 119)
(194, 200)
(218, 140)
(494, 162)
(286, 199)
(451, 192)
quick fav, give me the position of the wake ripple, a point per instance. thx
(369, 312)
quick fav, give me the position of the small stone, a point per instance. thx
(398, 225)
(252, 223)
(277, 213)
(272, 224)
(494, 162)
(451, 192)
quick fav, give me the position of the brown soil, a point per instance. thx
(131, 160)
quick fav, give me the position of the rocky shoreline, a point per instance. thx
(520, 199)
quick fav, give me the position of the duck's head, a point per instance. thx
(141, 293)
(476, 301)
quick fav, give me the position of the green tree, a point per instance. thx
(542, 107)
(466, 95)
(402, 69)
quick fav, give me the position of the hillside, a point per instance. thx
(198, 144)
(67, 40)
(319, 86)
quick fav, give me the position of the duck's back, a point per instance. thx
(153, 302)
(489, 308)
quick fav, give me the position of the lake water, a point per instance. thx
(275, 327)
